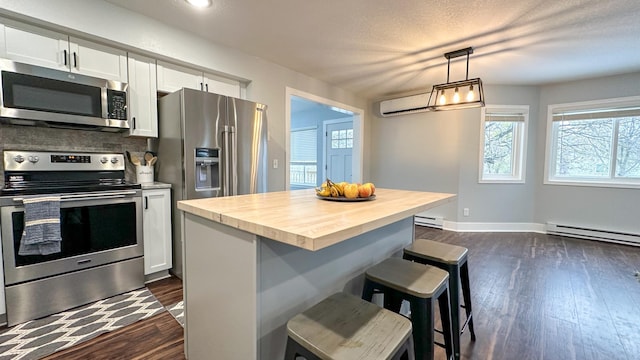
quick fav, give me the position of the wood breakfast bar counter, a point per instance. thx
(252, 262)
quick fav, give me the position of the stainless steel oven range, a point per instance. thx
(100, 250)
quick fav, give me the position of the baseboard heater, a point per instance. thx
(593, 234)
(430, 221)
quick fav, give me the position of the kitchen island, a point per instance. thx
(254, 261)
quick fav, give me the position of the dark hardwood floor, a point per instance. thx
(538, 296)
(534, 296)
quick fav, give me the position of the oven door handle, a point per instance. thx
(90, 196)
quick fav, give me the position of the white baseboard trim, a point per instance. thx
(494, 227)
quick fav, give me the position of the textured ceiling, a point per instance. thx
(380, 48)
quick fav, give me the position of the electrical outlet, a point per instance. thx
(465, 211)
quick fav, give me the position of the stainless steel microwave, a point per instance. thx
(34, 95)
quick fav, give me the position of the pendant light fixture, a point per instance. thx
(462, 94)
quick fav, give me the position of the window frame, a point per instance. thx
(310, 129)
(550, 150)
(519, 153)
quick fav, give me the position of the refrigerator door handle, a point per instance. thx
(234, 161)
(226, 183)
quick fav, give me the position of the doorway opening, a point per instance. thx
(323, 141)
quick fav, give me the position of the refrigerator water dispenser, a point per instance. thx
(207, 169)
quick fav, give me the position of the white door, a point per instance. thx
(338, 151)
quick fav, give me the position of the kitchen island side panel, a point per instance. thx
(292, 279)
(219, 291)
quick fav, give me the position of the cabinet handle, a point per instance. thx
(134, 122)
(65, 57)
(207, 86)
(75, 60)
(146, 202)
(201, 87)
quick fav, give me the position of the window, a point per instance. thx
(594, 143)
(342, 139)
(502, 143)
(303, 165)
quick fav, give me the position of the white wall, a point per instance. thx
(497, 203)
(135, 32)
(605, 208)
(440, 152)
(417, 152)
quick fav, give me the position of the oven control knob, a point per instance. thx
(19, 159)
(104, 160)
(114, 160)
(33, 159)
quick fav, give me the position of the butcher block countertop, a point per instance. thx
(301, 219)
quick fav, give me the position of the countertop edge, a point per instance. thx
(155, 185)
(363, 228)
(230, 217)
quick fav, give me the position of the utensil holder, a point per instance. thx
(144, 174)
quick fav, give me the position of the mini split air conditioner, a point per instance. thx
(404, 105)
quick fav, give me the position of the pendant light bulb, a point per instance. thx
(456, 96)
(443, 99)
(470, 94)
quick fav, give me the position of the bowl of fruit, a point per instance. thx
(344, 191)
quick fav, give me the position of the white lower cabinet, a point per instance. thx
(156, 218)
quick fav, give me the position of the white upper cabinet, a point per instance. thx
(142, 109)
(174, 77)
(220, 85)
(97, 60)
(32, 45)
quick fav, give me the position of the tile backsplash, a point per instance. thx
(15, 137)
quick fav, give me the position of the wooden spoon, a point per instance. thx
(135, 160)
(147, 157)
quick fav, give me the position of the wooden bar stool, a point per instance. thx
(453, 259)
(345, 327)
(421, 285)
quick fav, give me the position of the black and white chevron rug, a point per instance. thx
(177, 311)
(38, 338)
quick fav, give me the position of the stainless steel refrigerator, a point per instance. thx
(209, 145)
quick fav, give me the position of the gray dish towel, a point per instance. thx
(41, 235)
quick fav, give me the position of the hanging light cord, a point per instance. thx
(467, 67)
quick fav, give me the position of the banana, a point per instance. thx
(334, 190)
(324, 191)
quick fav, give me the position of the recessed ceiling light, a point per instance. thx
(199, 3)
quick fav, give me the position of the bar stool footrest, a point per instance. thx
(464, 326)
